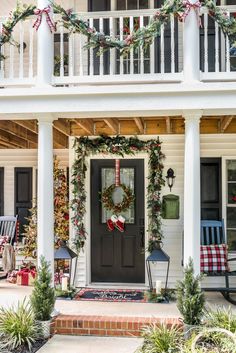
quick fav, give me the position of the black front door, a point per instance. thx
(23, 195)
(116, 256)
(211, 199)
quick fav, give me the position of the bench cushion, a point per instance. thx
(214, 258)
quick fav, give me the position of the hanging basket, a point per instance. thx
(116, 208)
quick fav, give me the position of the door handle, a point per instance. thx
(142, 241)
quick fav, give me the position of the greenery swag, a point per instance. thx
(108, 202)
(118, 146)
(140, 37)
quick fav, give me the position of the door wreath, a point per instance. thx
(116, 208)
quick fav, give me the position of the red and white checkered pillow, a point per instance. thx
(214, 258)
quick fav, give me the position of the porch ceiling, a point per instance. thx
(24, 133)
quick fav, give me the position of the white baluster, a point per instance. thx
(172, 31)
(227, 51)
(91, 67)
(71, 56)
(101, 57)
(11, 72)
(31, 49)
(217, 61)
(1, 61)
(206, 66)
(131, 26)
(152, 54)
(21, 43)
(121, 38)
(62, 72)
(112, 51)
(162, 50)
(141, 50)
(81, 69)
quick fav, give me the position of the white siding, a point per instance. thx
(173, 148)
(9, 159)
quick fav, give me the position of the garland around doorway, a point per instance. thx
(117, 146)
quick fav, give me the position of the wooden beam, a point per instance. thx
(17, 130)
(62, 126)
(140, 125)
(60, 140)
(13, 140)
(225, 122)
(86, 125)
(168, 125)
(30, 125)
(113, 125)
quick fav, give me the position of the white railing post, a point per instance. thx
(45, 200)
(191, 46)
(192, 205)
(45, 49)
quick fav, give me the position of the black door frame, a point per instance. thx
(88, 223)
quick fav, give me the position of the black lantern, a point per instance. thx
(157, 255)
(64, 258)
(170, 177)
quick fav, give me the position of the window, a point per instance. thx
(231, 203)
(132, 4)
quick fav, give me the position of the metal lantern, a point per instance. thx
(170, 177)
(66, 260)
(157, 255)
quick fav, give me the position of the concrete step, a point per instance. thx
(120, 326)
(62, 344)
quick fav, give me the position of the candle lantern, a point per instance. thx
(157, 255)
(66, 263)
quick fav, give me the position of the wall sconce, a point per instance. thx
(170, 177)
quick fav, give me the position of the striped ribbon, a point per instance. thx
(188, 6)
(117, 173)
(49, 20)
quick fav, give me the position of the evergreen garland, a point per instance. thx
(42, 298)
(118, 146)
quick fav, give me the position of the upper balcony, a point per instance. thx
(163, 61)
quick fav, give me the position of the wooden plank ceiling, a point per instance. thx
(24, 133)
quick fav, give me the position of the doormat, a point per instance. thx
(110, 295)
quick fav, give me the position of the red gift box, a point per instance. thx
(26, 277)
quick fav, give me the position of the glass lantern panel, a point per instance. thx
(126, 178)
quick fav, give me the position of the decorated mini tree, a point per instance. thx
(61, 214)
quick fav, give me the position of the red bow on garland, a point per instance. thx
(188, 6)
(38, 21)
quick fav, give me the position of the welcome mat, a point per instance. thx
(110, 295)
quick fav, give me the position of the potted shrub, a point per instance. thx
(43, 297)
(190, 299)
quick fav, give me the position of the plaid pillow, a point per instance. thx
(214, 258)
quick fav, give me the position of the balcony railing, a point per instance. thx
(160, 62)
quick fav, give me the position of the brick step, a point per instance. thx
(105, 325)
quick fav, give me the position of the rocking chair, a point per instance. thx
(213, 237)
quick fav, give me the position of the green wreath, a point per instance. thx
(108, 203)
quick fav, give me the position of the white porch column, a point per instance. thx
(45, 49)
(192, 207)
(45, 190)
(191, 46)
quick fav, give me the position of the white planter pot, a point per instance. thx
(45, 327)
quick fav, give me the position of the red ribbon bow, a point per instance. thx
(27, 271)
(188, 6)
(38, 21)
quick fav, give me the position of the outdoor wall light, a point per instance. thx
(24, 46)
(170, 177)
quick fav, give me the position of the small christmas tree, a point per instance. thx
(61, 214)
(190, 298)
(43, 295)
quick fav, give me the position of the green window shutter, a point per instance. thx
(170, 207)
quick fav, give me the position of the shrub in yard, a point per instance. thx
(17, 328)
(222, 317)
(161, 339)
(43, 295)
(190, 298)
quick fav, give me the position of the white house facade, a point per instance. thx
(181, 89)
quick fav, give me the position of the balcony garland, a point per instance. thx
(118, 146)
(140, 37)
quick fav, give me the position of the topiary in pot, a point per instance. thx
(43, 297)
(190, 298)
